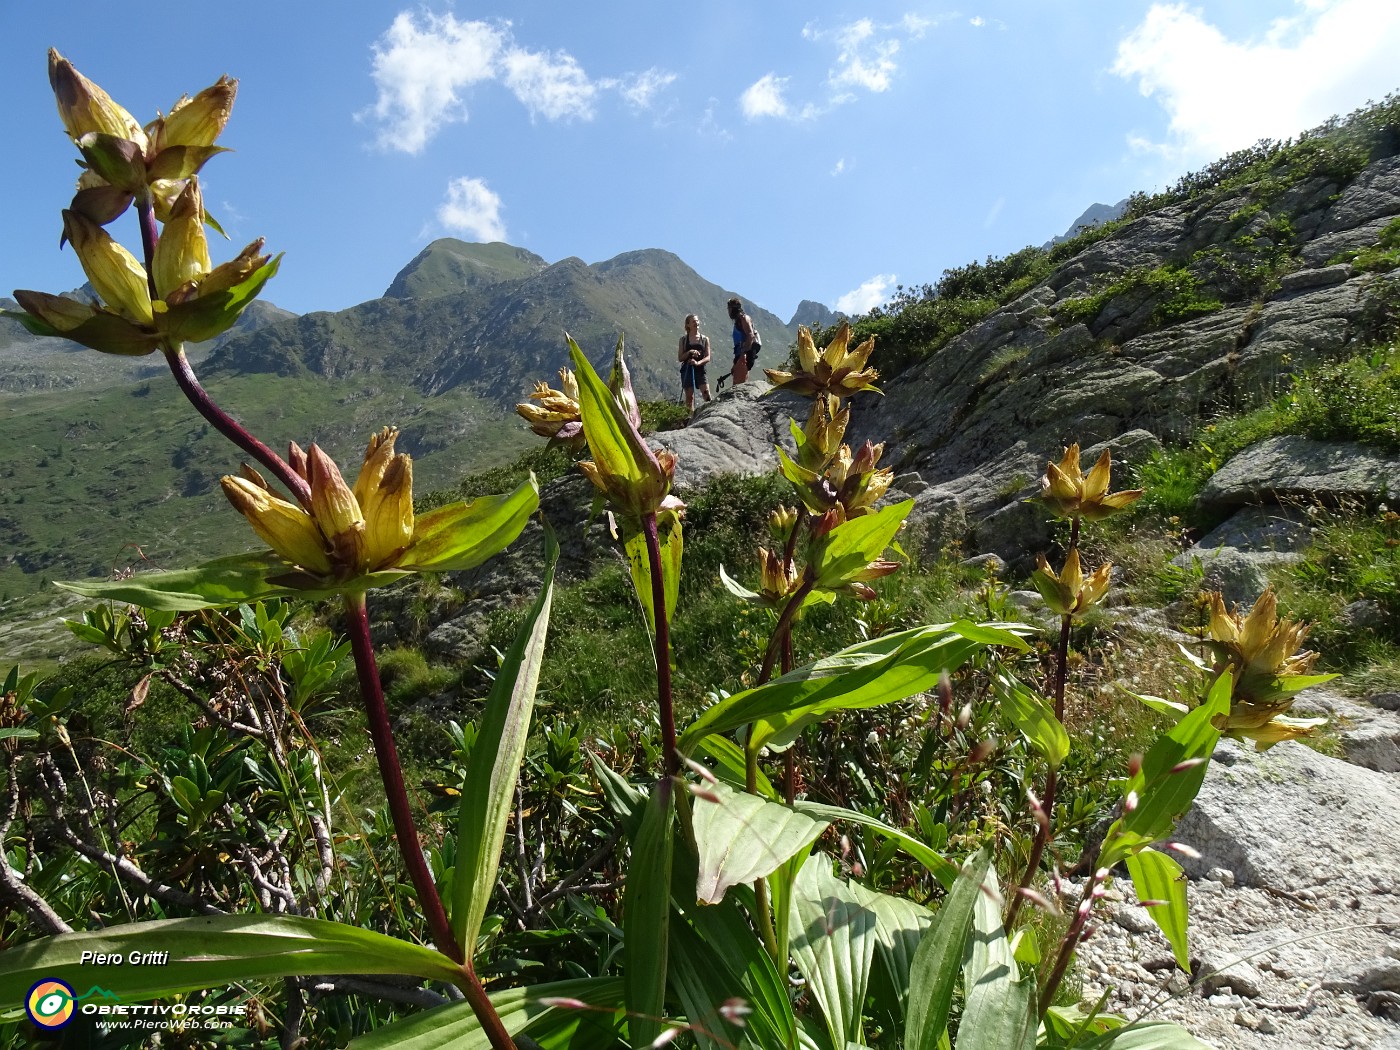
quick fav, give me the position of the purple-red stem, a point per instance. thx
(663, 646)
(357, 625)
(233, 430)
(784, 625)
(1073, 936)
(189, 385)
(1052, 780)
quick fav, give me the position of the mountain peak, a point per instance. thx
(447, 266)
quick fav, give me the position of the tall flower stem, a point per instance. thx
(1073, 936)
(663, 647)
(775, 643)
(357, 624)
(232, 429)
(1052, 780)
(189, 385)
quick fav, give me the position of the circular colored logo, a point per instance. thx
(50, 1003)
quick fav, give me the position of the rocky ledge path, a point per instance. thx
(1295, 899)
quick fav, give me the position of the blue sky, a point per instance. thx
(817, 150)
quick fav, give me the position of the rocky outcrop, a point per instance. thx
(979, 417)
(1278, 468)
(1295, 909)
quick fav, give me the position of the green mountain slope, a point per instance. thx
(449, 265)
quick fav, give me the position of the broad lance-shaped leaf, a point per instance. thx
(1171, 775)
(832, 938)
(938, 962)
(616, 446)
(855, 543)
(999, 1010)
(1156, 877)
(669, 542)
(880, 671)
(1034, 718)
(214, 951)
(741, 838)
(645, 909)
(463, 535)
(1146, 1035)
(529, 1011)
(493, 770)
(940, 867)
(224, 581)
(900, 925)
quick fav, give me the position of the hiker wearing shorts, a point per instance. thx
(746, 344)
(693, 353)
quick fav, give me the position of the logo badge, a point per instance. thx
(50, 1003)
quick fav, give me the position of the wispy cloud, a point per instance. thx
(838, 167)
(764, 98)
(866, 60)
(551, 84)
(641, 90)
(1221, 94)
(868, 296)
(425, 64)
(473, 208)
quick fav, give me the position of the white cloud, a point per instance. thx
(839, 167)
(551, 84)
(868, 296)
(472, 208)
(993, 213)
(420, 71)
(424, 64)
(867, 59)
(977, 20)
(640, 90)
(764, 98)
(1220, 94)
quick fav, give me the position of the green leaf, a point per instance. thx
(937, 963)
(742, 837)
(832, 939)
(670, 544)
(463, 535)
(999, 1013)
(1170, 708)
(900, 925)
(1034, 718)
(180, 162)
(1147, 1035)
(224, 581)
(17, 733)
(880, 671)
(213, 313)
(645, 918)
(1157, 877)
(854, 544)
(702, 981)
(521, 1010)
(617, 447)
(1162, 796)
(215, 950)
(726, 929)
(944, 870)
(732, 766)
(493, 768)
(117, 160)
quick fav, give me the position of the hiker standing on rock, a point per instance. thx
(694, 354)
(746, 343)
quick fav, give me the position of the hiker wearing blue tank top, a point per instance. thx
(746, 343)
(693, 353)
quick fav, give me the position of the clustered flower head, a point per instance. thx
(346, 532)
(123, 160)
(1070, 592)
(556, 416)
(835, 370)
(184, 297)
(1070, 494)
(1262, 653)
